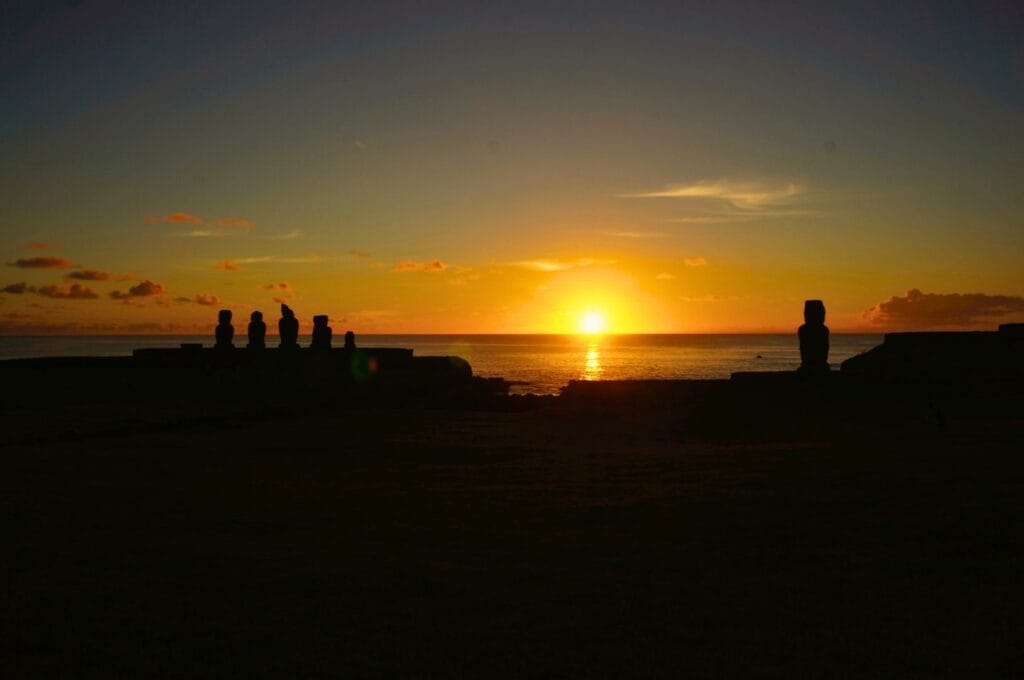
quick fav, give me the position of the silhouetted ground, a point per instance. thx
(593, 539)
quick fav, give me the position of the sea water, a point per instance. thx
(540, 364)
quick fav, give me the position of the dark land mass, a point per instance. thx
(767, 525)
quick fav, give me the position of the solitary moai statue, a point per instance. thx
(350, 340)
(321, 333)
(225, 332)
(813, 336)
(288, 328)
(257, 331)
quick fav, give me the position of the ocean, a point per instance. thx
(539, 364)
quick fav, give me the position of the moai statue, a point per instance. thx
(813, 336)
(288, 328)
(350, 340)
(225, 331)
(257, 331)
(321, 333)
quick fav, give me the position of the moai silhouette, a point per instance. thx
(288, 328)
(813, 336)
(321, 333)
(257, 331)
(350, 340)
(225, 332)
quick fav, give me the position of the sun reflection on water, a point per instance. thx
(593, 370)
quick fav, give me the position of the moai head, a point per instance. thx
(320, 321)
(224, 316)
(814, 312)
(287, 312)
(256, 316)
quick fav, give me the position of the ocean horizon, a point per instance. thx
(539, 364)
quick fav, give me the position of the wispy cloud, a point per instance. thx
(42, 262)
(355, 252)
(39, 245)
(233, 223)
(708, 298)
(694, 261)
(235, 264)
(204, 228)
(287, 236)
(200, 233)
(557, 265)
(637, 234)
(748, 195)
(665, 276)
(929, 310)
(432, 266)
(734, 201)
(175, 218)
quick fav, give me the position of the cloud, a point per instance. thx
(694, 261)
(218, 227)
(925, 310)
(748, 195)
(708, 298)
(309, 259)
(200, 233)
(432, 266)
(175, 218)
(206, 299)
(93, 275)
(280, 299)
(734, 201)
(283, 285)
(75, 292)
(145, 289)
(554, 265)
(228, 266)
(233, 223)
(665, 276)
(18, 288)
(39, 245)
(288, 236)
(43, 262)
(637, 234)
(88, 275)
(359, 144)
(355, 252)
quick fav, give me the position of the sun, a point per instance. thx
(592, 322)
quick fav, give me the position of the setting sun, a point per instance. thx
(592, 322)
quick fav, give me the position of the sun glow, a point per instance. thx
(592, 322)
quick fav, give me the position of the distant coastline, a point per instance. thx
(538, 364)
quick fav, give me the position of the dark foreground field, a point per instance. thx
(552, 540)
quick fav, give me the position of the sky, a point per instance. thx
(431, 167)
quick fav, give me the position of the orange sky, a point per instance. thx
(481, 171)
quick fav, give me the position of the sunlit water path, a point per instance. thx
(535, 363)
